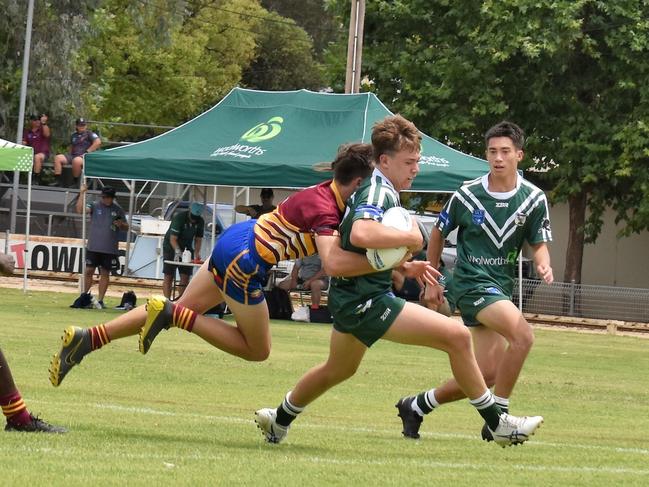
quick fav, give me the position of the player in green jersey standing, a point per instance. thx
(495, 214)
(365, 309)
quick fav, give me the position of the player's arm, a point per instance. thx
(421, 270)
(435, 245)
(434, 293)
(370, 234)
(337, 262)
(541, 257)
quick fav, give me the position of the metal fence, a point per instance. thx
(585, 301)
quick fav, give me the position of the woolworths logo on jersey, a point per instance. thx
(482, 260)
(259, 133)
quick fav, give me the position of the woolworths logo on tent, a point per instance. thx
(434, 161)
(259, 133)
(264, 131)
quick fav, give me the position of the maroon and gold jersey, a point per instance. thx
(289, 231)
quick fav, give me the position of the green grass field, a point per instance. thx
(183, 414)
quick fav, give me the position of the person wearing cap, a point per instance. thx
(185, 233)
(255, 211)
(106, 219)
(37, 136)
(82, 141)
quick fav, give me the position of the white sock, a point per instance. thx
(484, 401)
(503, 403)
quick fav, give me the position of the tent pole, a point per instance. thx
(234, 204)
(214, 210)
(29, 209)
(131, 206)
(83, 233)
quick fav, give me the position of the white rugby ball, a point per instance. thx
(381, 259)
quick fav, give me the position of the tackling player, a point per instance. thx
(495, 215)
(305, 223)
(365, 309)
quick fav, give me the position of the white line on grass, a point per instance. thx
(239, 420)
(165, 458)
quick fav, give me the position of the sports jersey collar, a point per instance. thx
(501, 196)
(339, 198)
(386, 181)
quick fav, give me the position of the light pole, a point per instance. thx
(21, 109)
(355, 47)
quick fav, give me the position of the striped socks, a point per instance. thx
(503, 403)
(287, 412)
(488, 409)
(98, 337)
(13, 407)
(424, 402)
(183, 317)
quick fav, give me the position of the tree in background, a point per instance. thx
(165, 61)
(54, 83)
(150, 61)
(571, 72)
(284, 59)
(313, 16)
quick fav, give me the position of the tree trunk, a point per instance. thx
(575, 250)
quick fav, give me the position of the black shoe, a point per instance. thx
(36, 425)
(410, 419)
(486, 434)
(57, 182)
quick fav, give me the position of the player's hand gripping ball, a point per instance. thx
(381, 259)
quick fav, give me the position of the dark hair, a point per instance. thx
(352, 161)
(507, 129)
(108, 191)
(267, 193)
(393, 134)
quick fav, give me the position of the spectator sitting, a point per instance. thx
(255, 211)
(82, 141)
(185, 233)
(307, 274)
(38, 138)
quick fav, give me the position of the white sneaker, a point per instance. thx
(514, 430)
(301, 314)
(273, 432)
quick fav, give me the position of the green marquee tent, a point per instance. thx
(271, 139)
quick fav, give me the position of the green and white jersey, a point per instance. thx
(374, 196)
(491, 230)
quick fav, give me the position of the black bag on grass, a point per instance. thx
(83, 301)
(279, 304)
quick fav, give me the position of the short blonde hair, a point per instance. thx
(394, 133)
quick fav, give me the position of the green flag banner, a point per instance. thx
(15, 157)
